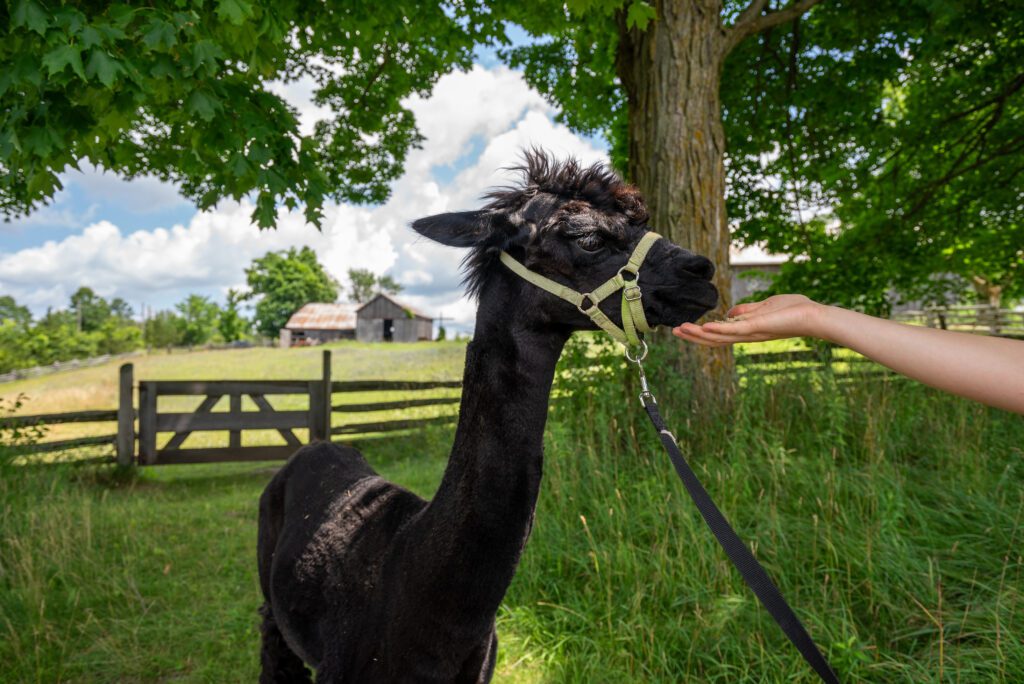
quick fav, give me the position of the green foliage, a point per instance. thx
(163, 329)
(282, 282)
(903, 123)
(442, 334)
(179, 90)
(91, 326)
(230, 323)
(574, 67)
(11, 311)
(361, 284)
(13, 350)
(198, 319)
(91, 310)
(116, 337)
(364, 284)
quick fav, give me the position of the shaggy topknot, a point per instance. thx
(596, 185)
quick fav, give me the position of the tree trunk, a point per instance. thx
(670, 73)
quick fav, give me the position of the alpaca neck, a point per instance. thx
(495, 463)
(476, 526)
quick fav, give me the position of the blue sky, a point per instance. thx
(140, 240)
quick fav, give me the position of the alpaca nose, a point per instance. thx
(699, 266)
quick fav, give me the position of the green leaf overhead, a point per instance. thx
(180, 90)
(64, 56)
(30, 15)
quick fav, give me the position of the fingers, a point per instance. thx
(741, 309)
(702, 335)
(696, 339)
(734, 328)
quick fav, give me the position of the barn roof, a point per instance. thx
(400, 305)
(323, 316)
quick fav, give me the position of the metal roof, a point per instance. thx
(323, 316)
(400, 305)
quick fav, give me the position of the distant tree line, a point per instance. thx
(93, 326)
(279, 283)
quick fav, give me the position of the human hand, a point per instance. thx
(774, 318)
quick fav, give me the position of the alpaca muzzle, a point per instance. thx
(627, 279)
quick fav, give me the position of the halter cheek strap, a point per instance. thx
(633, 320)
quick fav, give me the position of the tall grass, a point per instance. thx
(890, 515)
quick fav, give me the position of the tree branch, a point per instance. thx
(751, 12)
(998, 99)
(751, 20)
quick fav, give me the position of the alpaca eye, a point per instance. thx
(591, 242)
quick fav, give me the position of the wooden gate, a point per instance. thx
(315, 419)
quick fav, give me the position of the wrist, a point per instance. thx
(823, 322)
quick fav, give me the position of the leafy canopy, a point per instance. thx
(198, 319)
(91, 326)
(230, 323)
(884, 146)
(364, 284)
(283, 282)
(879, 144)
(180, 90)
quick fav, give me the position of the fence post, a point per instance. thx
(235, 407)
(326, 378)
(125, 417)
(147, 423)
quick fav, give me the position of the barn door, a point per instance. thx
(389, 330)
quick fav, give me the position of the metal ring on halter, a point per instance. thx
(629, 269)
(590, 297)
(640, 357)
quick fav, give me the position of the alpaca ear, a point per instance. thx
(470, 229)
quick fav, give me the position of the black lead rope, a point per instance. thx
(754, 575)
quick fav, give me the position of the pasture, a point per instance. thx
(890, 515)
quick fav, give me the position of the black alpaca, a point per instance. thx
(366, 582)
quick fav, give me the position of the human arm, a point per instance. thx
(986, 369)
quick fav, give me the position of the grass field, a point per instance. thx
(890, 515)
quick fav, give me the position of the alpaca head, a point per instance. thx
(577, 226)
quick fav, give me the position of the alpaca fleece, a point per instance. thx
(365, 582)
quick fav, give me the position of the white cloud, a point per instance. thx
(145, 194)
(488, 112)
(54, 215)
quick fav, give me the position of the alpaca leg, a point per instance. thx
(280, 665)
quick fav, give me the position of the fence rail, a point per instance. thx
(384, 426)
(59, 418)
(140, 445)
(976, 319)
(315, 419)
(323, 418)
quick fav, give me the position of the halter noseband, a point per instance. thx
(633, 319)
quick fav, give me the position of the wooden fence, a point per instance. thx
(316, 419)
(981, 318)
(807, 361)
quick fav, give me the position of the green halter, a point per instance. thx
(633, 319)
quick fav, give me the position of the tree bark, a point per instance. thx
(671, 75)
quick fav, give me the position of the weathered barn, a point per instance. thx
(385, 319)
(319, 322)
